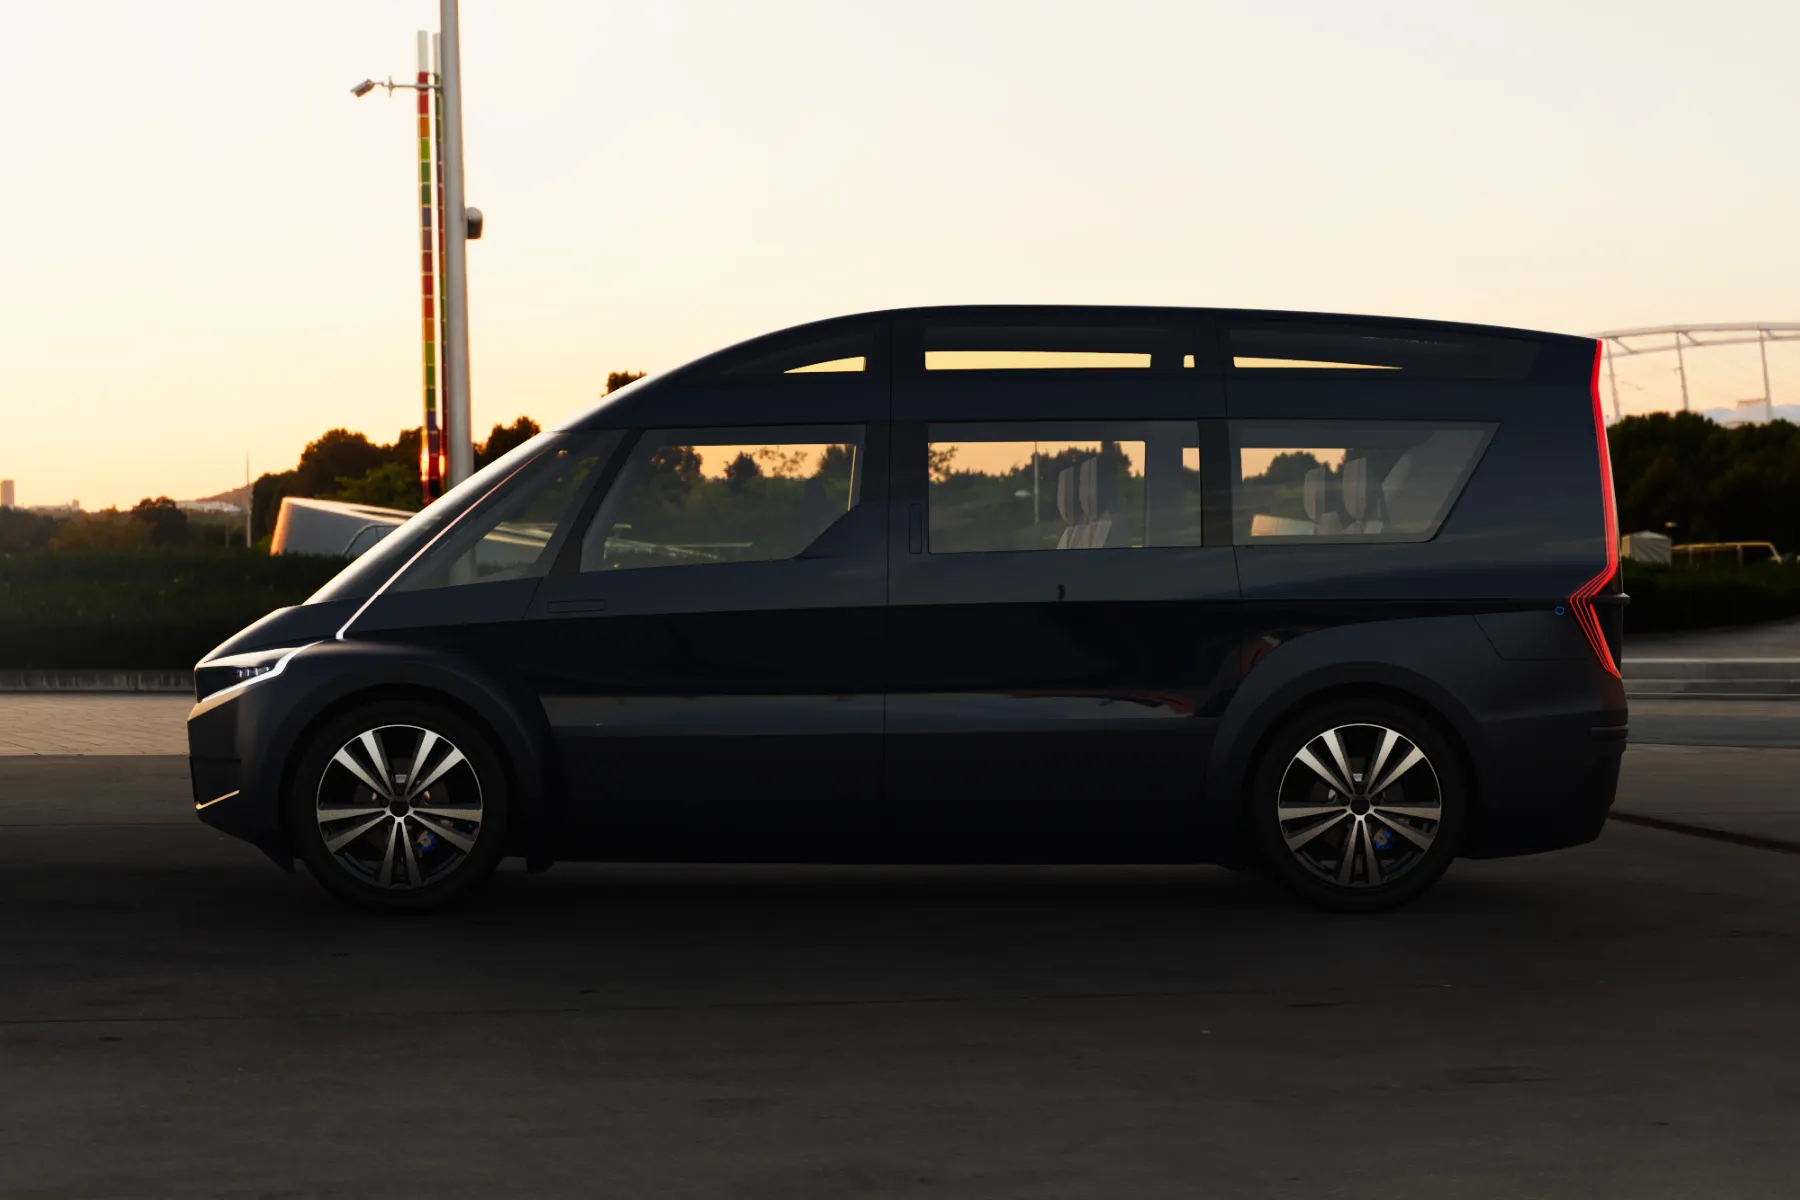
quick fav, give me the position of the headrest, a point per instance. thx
(1090, 489)
(1313, 492)
(1357, 501)
(1396, 478)
(1065, 496)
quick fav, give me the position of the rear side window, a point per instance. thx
(1424, 353)
(698, 497)
(1062, 485)
(1381, 481)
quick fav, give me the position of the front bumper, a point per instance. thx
(226, 795)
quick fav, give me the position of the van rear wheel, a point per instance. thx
(1358, 806)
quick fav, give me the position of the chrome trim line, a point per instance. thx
(216, 799)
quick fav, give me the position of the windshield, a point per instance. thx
(362, 577)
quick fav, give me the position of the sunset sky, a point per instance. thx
(210, 245)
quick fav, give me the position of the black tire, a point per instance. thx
(406, 861)
(1387, 866)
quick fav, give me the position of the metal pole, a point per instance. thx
(457, 427)
(429, 478)
(1762, 348)
(1613, 380)
(1680, 358)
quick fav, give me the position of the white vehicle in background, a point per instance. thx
(331, 527)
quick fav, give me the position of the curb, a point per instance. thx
(1782, 669)
(97, 681)
(1712, 678)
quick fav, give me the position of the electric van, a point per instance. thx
(1333, 597)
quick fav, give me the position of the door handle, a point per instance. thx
(915, 529)
(575, 606)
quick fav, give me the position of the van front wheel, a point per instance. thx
(1358, 806)
(399, 807)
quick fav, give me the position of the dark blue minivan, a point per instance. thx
(1336, 597)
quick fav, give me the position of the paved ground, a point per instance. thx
(69, 723)
(178, 1018)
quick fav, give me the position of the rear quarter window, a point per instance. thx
(1349, 481)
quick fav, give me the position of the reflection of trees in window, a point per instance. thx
(782, 462)
(1281, 489)
(839, 463)
(768, 502)
(938, 459)
(1016, 509)
(741, 470)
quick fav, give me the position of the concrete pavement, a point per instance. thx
(71, 723)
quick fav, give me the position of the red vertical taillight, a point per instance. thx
(1582, 602)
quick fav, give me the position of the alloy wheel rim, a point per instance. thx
(399, 807)
(1360, 805)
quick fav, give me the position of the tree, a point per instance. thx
(505, 438)
(108, 529)
(937, 462)
(21, 530)
(338, 454)
(1714, 483)
(1290, 466)
(391, 485)
(618, 379)
(837, 463)
(740, 471)
(168, 524)
(678, 463)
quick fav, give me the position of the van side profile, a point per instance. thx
(1333, 596)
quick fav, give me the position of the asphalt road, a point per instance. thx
(179, 1018)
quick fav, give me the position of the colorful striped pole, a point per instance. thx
(430, 478)
(437, 113)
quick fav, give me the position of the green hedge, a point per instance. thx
(1666, 599)
(140, 609)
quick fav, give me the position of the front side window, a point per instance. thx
(514, 535)
(694, 497)
(1391, 481)
(362, 577)
(1063, 485)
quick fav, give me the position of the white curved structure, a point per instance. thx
(1663, 338)
(331, 527)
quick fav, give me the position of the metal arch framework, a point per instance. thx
(1679, 338)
